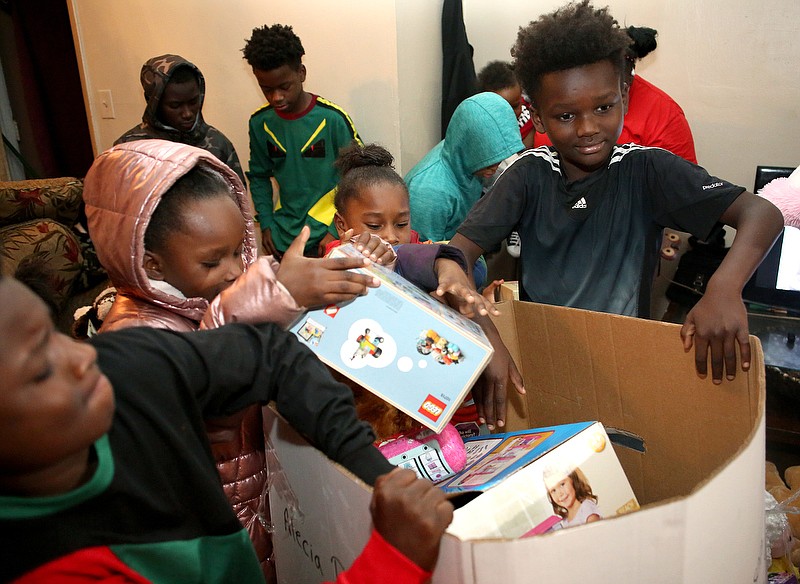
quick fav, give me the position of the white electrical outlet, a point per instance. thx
(106, 104)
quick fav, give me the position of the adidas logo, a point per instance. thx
(581, 204)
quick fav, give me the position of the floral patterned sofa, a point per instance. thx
(37, 231)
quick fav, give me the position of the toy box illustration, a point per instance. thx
(531, 482)
(399, 343)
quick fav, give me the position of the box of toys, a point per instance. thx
(530, 482)
(397, 341)
(699, 481)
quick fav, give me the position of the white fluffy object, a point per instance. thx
(784, 193)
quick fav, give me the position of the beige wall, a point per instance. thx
(351, 57)
(733, 66)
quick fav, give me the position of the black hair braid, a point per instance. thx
(200, 183)
(644, 41)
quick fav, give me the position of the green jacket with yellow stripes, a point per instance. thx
(299, 151)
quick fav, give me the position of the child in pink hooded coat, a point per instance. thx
(122, 191)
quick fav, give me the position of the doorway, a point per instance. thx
(44, 90)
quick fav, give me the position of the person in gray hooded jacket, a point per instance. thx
(175, 90)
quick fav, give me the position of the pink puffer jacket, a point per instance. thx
(121, 191)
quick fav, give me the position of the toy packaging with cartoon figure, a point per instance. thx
(404, 346)
(535, 481)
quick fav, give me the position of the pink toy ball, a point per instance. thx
(432, 456)
(784, 193)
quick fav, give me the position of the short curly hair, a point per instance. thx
(270, 47)
(496, 75)
(573, 36)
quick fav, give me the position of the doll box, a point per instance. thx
(404, 346)
(507, 478)
(700, 481)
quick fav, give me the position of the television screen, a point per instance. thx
(788, 277)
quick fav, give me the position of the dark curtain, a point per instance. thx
(458, 70)
(52, 87)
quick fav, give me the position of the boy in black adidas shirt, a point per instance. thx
(590, 214)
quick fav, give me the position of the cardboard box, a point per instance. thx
(411, 350)
(514, 471)
(700, 482)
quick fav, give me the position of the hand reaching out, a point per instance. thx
(489, 291)
(491, 390)
(454, 287)
(411, 514)
(315, 282)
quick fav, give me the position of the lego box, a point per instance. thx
(401, 344)
(530, 482)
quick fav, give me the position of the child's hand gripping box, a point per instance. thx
(401, 344)
(534, 481)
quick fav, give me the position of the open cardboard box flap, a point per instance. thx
(631, 374)
(700, 483)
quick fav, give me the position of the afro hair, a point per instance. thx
(273, 46)
(573, 36)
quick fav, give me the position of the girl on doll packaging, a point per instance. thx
(571, 496)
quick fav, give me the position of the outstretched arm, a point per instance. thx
(491, 389)
(315, 282)
(718, 322)
(409, 516)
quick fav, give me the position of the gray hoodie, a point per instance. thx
(154, 76)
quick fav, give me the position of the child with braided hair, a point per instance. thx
(373, 198)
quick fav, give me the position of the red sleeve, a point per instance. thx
(331, 245)
(97, 564)
(381, 562)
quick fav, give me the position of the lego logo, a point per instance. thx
(432, 408)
